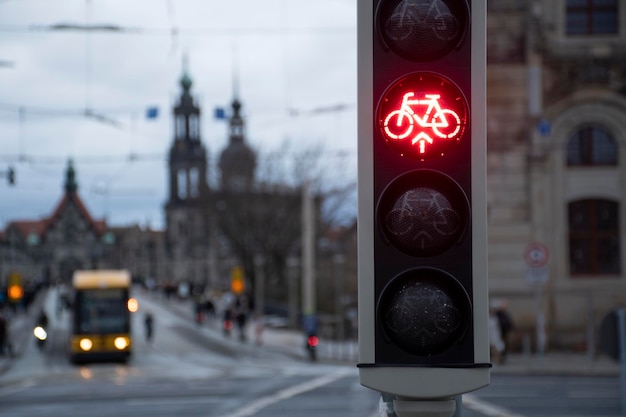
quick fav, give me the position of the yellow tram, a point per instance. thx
(100, 327)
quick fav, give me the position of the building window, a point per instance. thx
(594, 243)
(194, 129)
(194, 181)
(591, 145)
(182, 184)
(180, 127)
(591, 17)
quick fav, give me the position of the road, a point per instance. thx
(546, 396)
(192, 371)
(183, 371)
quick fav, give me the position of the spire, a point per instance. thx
(70, 178)
(235, 68)
(236, 121)
(185, 80)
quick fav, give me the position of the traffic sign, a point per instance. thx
(537, 275)
(536, 254)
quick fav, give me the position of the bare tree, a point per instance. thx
(266, 221)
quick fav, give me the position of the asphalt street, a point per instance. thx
(193, 370)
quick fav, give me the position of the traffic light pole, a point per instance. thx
(412, 408)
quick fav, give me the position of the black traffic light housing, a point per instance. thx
(11, 176)
(422, 205)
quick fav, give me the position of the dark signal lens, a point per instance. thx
(423, 115)
(423, 213)
(423, 30)
(424, 311)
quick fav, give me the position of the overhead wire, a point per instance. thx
(178, 31)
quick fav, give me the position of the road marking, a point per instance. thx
(163, 402)
(474, 403)
(256, 406)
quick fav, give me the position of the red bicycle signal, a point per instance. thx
(423, 115)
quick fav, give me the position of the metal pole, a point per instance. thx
(292, 285)
(458, 400)
(339, 280)
(621, 334)
(540, 322)
(308, 252)
(591, 334)
(435, 408)
(259, 287)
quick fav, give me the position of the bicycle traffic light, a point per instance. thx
(423, 305)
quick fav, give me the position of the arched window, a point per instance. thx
(194, 180)
(180, 127)
(594, 241)
(194, 128)
(182, 184)
(591, 145)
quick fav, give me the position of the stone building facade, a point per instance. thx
(556, 121)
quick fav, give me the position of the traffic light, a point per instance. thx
(11, 176)
(15, 289)
(423, 304)
(237, 283)
(15, 292)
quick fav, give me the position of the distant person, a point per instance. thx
(149, 326)
(242, 305)
(4, 326)
(496, 343)
(505, 322)
(42, 320)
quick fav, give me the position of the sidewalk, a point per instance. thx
(21, 331)
(558, 363)
(291, 342)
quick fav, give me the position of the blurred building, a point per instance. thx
(238, 223)
(556, 122)
(52, 248)
(557, 163)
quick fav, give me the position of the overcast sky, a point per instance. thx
(291, 58)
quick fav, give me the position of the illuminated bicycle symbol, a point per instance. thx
(443, 123)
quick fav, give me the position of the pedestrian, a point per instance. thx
(241, 315)
(495, 337)
(149, 326)
(42, 320)
(3, 334)
(505, 322)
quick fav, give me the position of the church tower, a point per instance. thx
(237, 161)
(187, 223)
(187, 156)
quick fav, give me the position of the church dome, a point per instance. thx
(237, 155)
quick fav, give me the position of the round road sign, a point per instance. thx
(536, 254)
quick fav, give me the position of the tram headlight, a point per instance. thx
(121, 343)
(40, 333)
(85, 344)
(132, 305)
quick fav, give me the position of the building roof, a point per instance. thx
(41, 227)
